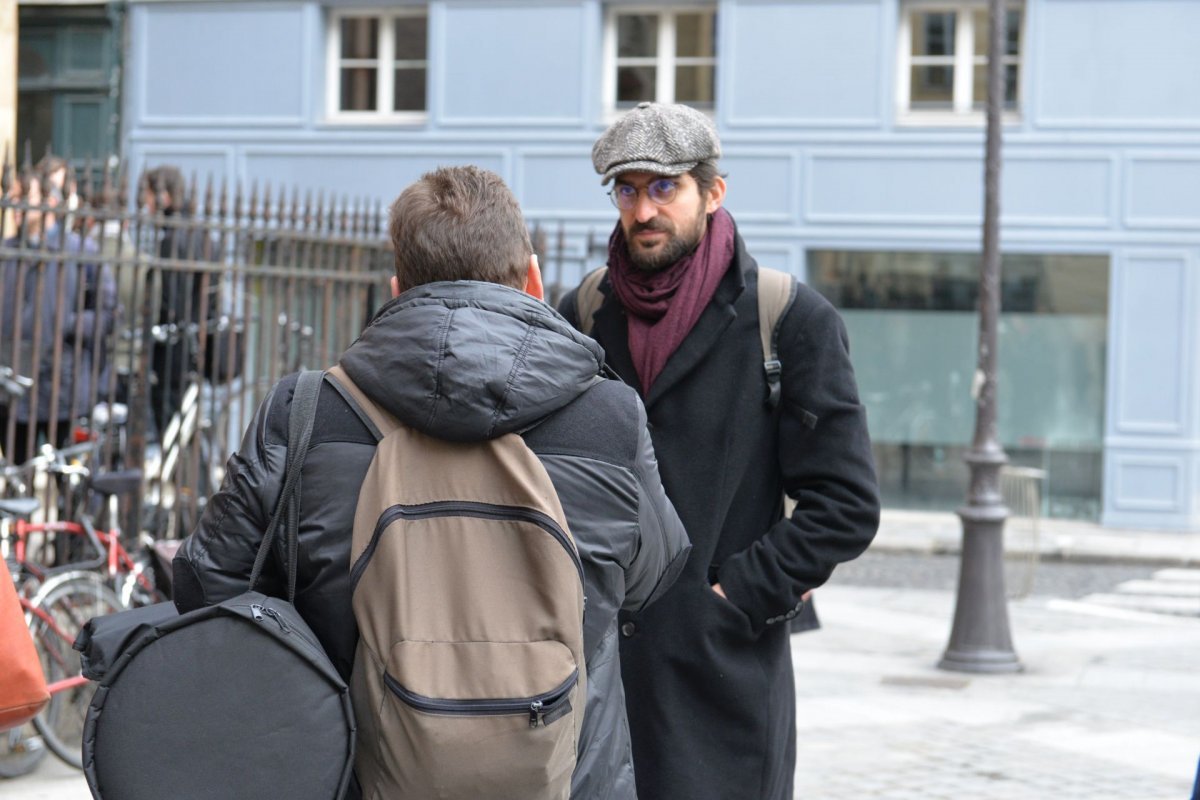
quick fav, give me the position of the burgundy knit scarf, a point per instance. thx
(662, 307)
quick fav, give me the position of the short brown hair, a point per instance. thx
(459, 224)
(705, 174)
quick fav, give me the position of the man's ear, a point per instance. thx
(395, 286)
(716, 195)
(533, 279)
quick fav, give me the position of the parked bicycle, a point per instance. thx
(186, 467)
(57, 601)
(56, 614)
(60, 595)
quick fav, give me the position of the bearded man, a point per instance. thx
(708, 670)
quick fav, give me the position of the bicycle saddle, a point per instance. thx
(19, 506)
(118, 482)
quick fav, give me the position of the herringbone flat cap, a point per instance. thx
(663, 139)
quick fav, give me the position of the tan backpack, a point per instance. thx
(469, 679)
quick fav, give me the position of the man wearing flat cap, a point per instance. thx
(737, 423)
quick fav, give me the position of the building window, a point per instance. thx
(378, 63)
(943, 60)
(913, 328)
(661, 56)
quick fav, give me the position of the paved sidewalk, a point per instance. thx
(1108, 707)
(1072, 540)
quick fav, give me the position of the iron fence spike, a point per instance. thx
(6, 177)
(191, 194)
(89, 183)
(122, 197)
(143, 185)
(106, 187)
(208, 196)
(252, 205)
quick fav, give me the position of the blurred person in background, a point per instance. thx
(57, 314)
(176, 290)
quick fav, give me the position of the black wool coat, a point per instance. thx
(709, 683)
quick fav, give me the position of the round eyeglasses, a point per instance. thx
(661, 192)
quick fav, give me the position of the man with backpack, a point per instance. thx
(495, 484)
(750, 394)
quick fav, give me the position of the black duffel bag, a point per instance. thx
(235, 700)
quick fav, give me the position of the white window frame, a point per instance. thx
(385, 82)
(666, 60)
(963, 61)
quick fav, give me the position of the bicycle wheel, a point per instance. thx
(68, 601)
(21, 750)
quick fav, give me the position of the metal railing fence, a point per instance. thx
(157, 324)
(165, 327)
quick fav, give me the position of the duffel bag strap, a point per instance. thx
(287, 510)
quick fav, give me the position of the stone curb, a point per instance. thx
(921, 533)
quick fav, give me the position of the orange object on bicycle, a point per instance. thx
(23, 691)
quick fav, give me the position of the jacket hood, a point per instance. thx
(468, 361)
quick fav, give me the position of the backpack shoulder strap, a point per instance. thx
(301, 416)
(354, 405)
(589, 298)
(380, 422)
(776, 292)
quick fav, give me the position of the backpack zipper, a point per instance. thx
(463, 508)
(540, 708)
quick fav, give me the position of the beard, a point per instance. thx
(677, 246)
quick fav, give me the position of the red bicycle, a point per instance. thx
(56, 614)
(56, 609)
(58, 600)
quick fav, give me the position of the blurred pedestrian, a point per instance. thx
(57, 313)
(176, 290)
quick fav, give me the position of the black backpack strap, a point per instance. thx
(287, 510)
(354, 405)
(776, 293)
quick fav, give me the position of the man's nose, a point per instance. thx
(644, 208)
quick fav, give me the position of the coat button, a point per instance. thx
(628, 629)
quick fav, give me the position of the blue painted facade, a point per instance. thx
(1103, 158)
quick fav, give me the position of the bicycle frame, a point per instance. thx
(65, 684)
(114, 558)
(180, 431)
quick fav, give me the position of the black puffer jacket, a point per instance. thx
(464, 361)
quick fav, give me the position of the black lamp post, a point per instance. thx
(980, 640)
